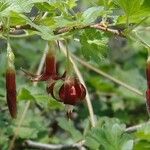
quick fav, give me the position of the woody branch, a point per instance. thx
(98, 26)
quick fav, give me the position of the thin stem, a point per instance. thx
(142, 41)
(84, 63)
(88, 101)
(37, 145)
(19, 125)
(127, 22)
(8, 29)
(41, 63)
(136, 25)
(68, 68)
(136, 127)
(45, 15)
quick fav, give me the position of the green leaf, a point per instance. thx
(131, 7)
(27, 132)
(94, 45)
(71, 3)
(142, 145)
(144, 132)
(16, 19)
(48, 21)
(20, 6)
(32, 125)
(138, 17)
(131, 77)
(44, 31)
(91, 14)
(109, 136)
(68, 126)
(100, 84)
(45, 7)
(128, 145)
(142, 34)
(24, 94)
(60, 21)
(48, 102)
(135, 11)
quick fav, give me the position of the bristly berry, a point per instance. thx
(11, 91)
(72, 91)
(69, 91)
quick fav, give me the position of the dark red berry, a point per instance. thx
(69, 91)
(72, 91)
(11, 91)
(80, 89)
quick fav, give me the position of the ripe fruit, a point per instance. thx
(69, 91)
(11, 91)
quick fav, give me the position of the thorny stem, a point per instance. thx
(89, 104)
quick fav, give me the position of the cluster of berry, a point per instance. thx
(66, 89)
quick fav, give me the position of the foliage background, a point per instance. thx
(115, 107)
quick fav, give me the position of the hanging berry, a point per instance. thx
(11, 83)
(69, 91)
(65, 88)
(49, 69)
